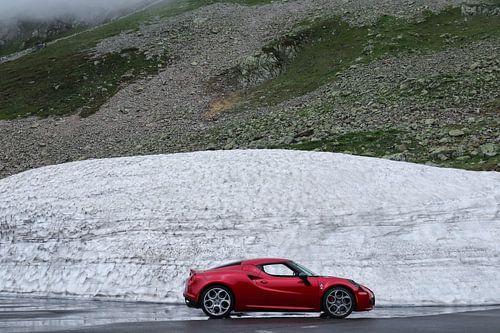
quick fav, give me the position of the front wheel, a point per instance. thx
(217, 302)
(338, 302)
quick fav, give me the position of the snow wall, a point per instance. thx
(132, 227)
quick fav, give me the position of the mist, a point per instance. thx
(81, 10)
(22, 17)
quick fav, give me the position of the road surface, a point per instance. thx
(480, 321)
(23, 314)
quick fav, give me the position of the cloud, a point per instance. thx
(80, 10)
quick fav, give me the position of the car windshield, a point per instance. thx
(303, 269)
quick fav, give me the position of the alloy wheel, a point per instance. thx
(217, 302)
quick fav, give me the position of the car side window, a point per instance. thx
(278, 270)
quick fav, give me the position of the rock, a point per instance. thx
(442, 150)
(401, 147)
(442, 157)
(396, 157)
(127, 76)
(287, 140)
(487, 9)
(230, 145)
(306, 133)
(488, 149)
(424, 142)
(456, 132)
(368, 49)
(211, 146)
(198, 21)
(475, 65)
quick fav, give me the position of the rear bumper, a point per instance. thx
(191, 303)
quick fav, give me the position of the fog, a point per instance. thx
(17, 17)
(80, 10)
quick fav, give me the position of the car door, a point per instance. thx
(280, 288)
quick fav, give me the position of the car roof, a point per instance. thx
(262, 261)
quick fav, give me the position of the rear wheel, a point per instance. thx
(338, 302)
(217, 302)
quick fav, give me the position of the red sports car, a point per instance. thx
(273, 285)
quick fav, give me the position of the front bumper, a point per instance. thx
(365, 299)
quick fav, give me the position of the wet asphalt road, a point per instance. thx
(21, 315)
(480, 321)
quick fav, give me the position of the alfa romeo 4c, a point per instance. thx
(273, 285)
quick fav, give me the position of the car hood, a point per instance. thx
(335, 279)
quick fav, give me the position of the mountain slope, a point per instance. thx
(409, 81)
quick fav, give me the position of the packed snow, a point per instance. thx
(132, 227)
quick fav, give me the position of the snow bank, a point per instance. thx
(131, 227)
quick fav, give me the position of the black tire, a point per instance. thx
(217, 301)
(338, 302)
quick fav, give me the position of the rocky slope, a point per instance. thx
(185, 106)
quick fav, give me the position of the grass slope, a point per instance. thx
(332, 45)
(64, 78)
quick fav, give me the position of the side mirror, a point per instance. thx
(303, 277)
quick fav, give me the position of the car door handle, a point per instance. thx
(263, 281)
